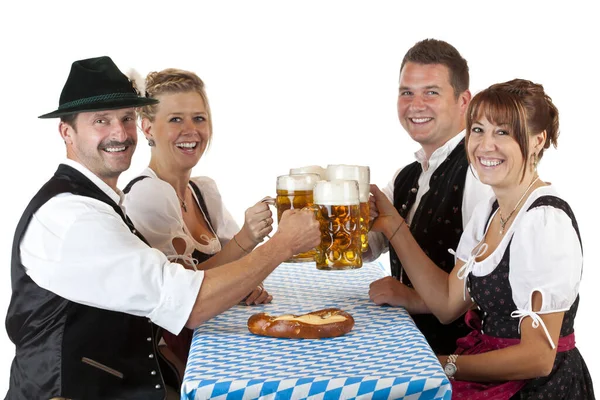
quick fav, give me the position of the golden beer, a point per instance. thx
(362, 175)
(292, 200)
(338, 212)
(295, 192)
(364, 226)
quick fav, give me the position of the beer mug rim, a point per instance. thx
(339, 192)
(309, 169)
(359, 173)
(298, 181)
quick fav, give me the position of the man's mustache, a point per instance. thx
(114, 143)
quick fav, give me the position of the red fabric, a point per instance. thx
(179, 344)
(477, 343)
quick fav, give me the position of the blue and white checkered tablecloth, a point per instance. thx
(384, 357)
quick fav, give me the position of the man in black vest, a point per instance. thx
(437, 193)
(89, 296)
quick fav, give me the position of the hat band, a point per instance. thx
(94, 99)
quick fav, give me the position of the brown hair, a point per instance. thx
(170, 81)
(432, 51)
(520, 105)
(69, 119)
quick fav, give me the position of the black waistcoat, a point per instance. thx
(66, 349)
(437, 226)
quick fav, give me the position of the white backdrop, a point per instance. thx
(291, 82)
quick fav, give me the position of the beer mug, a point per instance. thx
(337, 208)
(310, 169)
(360, 174)
(294, 192)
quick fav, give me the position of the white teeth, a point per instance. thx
(490, 163)
(191, 145)
(115, 149)
(420, 120)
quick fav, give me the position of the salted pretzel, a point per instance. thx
(326, 323)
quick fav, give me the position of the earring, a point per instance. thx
(534, 161)
(151, 142)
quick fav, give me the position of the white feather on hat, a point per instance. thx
(137, 80)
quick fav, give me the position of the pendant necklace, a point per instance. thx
(183, 205)
(504, 221)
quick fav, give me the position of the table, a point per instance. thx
(384, 356)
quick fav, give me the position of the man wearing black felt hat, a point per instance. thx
(89, 296)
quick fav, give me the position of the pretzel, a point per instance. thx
(326, 323)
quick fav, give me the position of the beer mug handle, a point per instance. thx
(314, 208)
(269, 201)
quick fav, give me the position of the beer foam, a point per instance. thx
(310, 169)
(297, 182)
(336, 193)
(358, 173)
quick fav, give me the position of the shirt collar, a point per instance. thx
(116, 196)
(439, 154)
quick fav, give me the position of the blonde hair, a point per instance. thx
(170, 81)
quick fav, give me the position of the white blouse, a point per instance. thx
(160, 220)
(545, 255)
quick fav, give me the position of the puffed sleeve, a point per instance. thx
(223, 222)
(545, 256)
(153, 207)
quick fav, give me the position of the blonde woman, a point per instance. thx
(181, 215)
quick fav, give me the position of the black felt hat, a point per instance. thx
(97, 84)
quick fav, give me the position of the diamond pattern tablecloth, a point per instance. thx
(383, 357)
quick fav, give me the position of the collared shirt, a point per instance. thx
(79, 248)
(474, 191)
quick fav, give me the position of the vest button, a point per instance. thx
(153, 373)
(149, 339)
(134, 231)
(157, 386)
(404, 206)
(150, 355)
(413, 190)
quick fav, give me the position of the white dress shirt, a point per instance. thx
(473, 193)
(79, 248)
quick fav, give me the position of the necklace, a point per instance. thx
(183, 205)
(504, 221)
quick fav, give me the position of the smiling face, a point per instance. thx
(180, 130)
(427, 106)
(102, 141)
(496, 155)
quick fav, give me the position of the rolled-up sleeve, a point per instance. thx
(80, 249)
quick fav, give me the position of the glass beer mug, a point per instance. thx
(294, 192)
(337, 208)
(362, 175)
